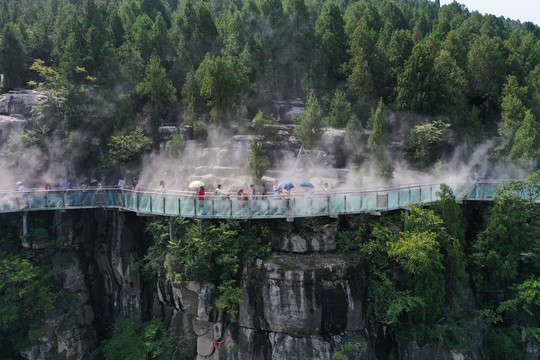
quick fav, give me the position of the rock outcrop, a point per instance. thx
(15, 111)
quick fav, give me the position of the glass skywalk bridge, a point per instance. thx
(184, 204)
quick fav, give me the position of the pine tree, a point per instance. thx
(377, 142)
(258, 162)
(13, 56)
(309, 129)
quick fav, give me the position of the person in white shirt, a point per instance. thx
(277, 190)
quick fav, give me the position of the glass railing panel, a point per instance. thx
(259, 207)
(87, 198)
(436, 196)
(36, 200)
(393, 199)
(354, 203)
(222, 207)
(125, 199)
(73, 198)
(320, 205)
(110, 197)
(415, 196)
(171, 205)
(9, 202)
(302, 206)
(187, 206)
(55, 199)
(488, 191)
(144, 202)
(131, 201)
(157, 204)
(369, 201)
(204, 207)
(382, 201)
(240, 207)
(403, 197)
(460, 192)
(426, 194)
(337, 203)
(278, 207)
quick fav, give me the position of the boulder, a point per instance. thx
(20, 102)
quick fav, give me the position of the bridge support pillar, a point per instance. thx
(171, 219)
(406, 217)
(25, 224)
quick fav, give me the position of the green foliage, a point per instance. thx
(503, 344)
(26, 297)
(347, 242)
(13, 58)
(230, 296)
(353, 132)
(417, 88)
(309, 129)
(160, 92)
(505, 252)
(205, 251)
(453, 242)
(258, 162)
(377, 142)
(338, 355)
(426, 142)
(134, 339)
(263, 125)
(526, 142)
(125, 149)
(176, 148)
(340, 113)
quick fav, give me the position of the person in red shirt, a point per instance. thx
(201, 193)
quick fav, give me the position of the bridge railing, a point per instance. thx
(234, 206)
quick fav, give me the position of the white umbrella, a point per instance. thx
(196, 184)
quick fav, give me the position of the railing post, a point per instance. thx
(150, 203)
(483, 191)
(230, 207)
(179, 206)
(398, 198)
(64, 199)
(431, 193)
(138, 201)
(361, 200)
(213, 208)
(345, 203)
(195, 207)
(419, 194)
(328, 203)
(387, 201)
(164, 211)
(409, 196)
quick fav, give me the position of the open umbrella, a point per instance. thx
(196, 184)
(307, 184)
(286, 185)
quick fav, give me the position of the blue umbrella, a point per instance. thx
(307, 184)
(286, 185)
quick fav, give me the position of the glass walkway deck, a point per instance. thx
(188, 205)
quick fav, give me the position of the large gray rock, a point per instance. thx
(295, 294)
(20, 102)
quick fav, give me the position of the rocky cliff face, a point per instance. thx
(305, 302)
(15, 107)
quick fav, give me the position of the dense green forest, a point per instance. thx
(116, 65)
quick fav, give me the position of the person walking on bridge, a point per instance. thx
(21, 192)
